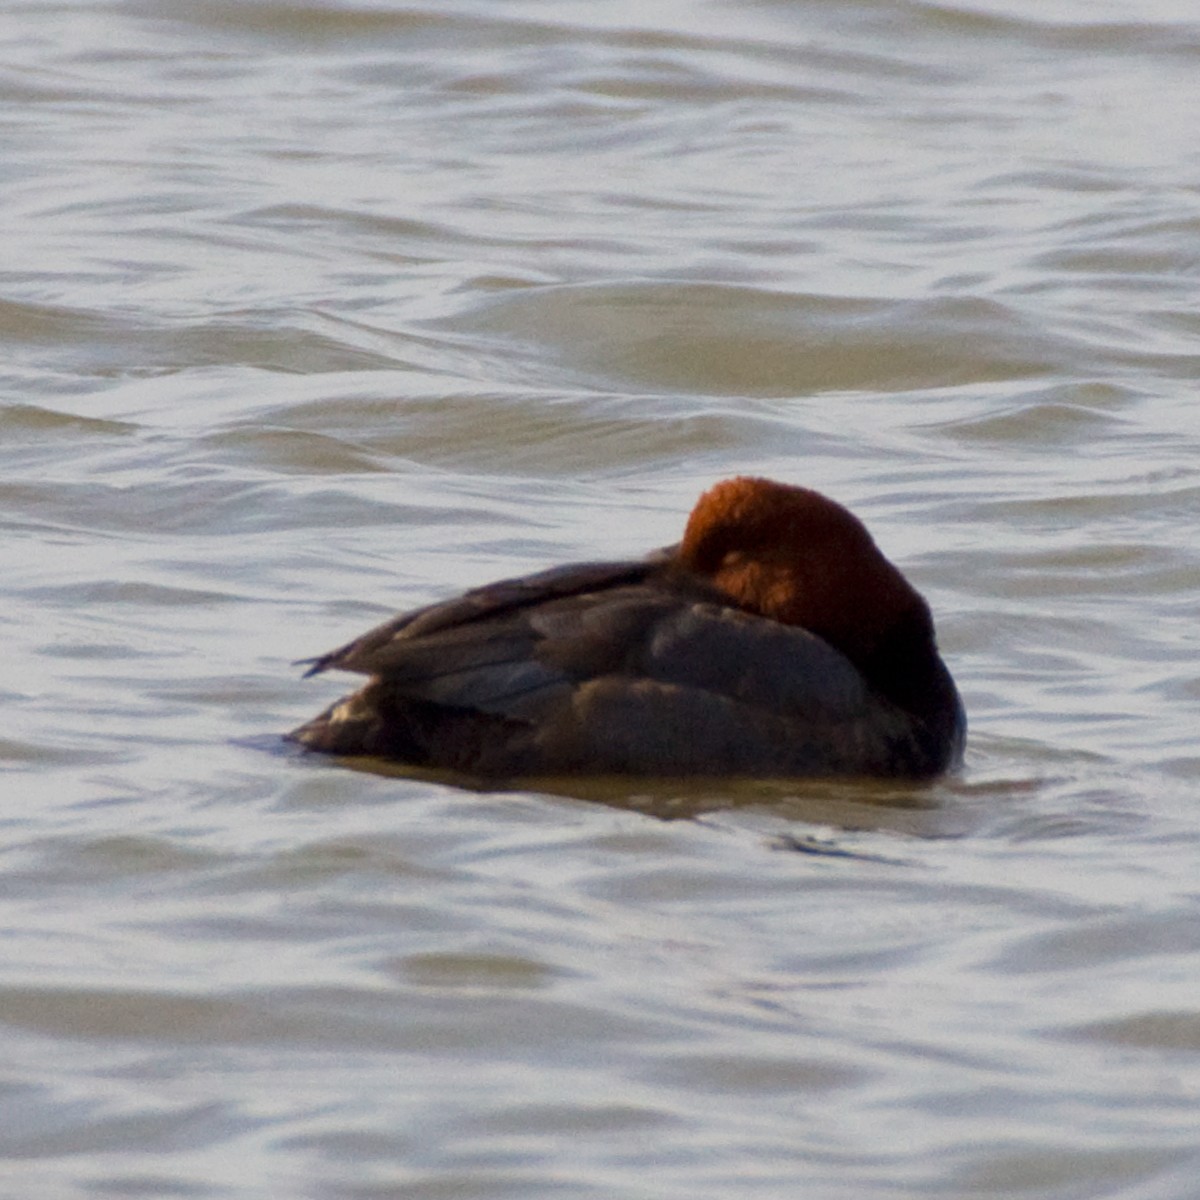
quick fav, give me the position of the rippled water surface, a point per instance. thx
(312, 311)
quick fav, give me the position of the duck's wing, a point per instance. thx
(475, 611)
(519, 648)
(753, 661)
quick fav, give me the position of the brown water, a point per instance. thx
(312, 311)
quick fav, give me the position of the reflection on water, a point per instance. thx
(916, 809)
(315, 312)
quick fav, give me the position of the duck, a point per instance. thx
(774, 640)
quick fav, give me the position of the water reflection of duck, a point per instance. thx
(774, 640)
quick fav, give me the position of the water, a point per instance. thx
(315, 311)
